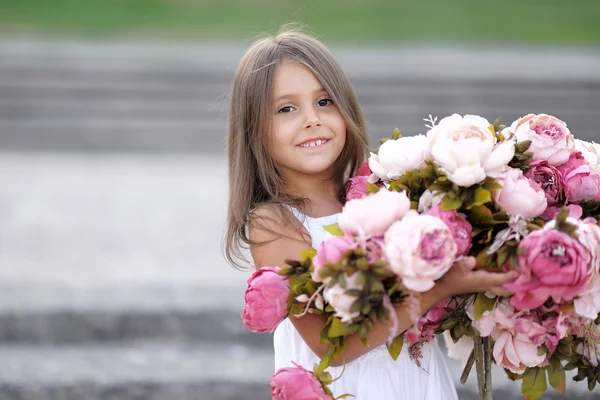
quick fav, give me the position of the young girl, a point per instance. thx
(296, 133)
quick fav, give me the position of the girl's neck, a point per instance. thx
(322, 195)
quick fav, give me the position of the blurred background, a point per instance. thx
(113, 181)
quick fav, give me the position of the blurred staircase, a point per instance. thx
(113, 197)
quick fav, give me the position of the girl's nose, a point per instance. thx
(312, 120)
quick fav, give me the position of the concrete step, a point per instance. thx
(137, 370)
(110, 97)
(39, 316)
(161, 370)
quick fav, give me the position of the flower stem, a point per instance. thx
(479, 363)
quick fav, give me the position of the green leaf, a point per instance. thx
(556, 375)
(481, 197)
(395, 347)
(534, 383)
(449, 203)
(483, 304)
(334, 229)
(397, 134)
(523, 146)
(371, 188)
(345, 396)
(338, 328)
(310, 253)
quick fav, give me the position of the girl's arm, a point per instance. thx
(288, 244)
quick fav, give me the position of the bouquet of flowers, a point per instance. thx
(524, 197)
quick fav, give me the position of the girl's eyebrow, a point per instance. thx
(293, 95)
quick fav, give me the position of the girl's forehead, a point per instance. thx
(294, 78)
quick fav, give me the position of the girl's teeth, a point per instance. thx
(313, 144)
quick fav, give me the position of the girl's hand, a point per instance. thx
(461, 279)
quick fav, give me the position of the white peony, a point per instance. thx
(467, 151)
(340, 301)
(396, 157)
(591, 153)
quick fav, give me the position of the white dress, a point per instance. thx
(375, 375)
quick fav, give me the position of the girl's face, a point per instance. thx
(308, 130)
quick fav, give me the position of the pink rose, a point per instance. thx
(554, 265)
(356, 188)
(461, 229)
(330, 251)
(550, 138)
(340, 300)
(265, 300)
(519, 195)
(549, 179)
(297, 384)
(419, 249)
(373, 215)
(581, 183)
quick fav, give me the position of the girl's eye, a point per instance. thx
(285, 109)
(325, 102)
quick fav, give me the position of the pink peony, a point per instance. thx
(589, 236)
(515, 352)
(587, 304)
(519, 195)
(297, 383)
(373, 215)
(512, 350)
(356, 188)
(265, 300)
(549, 179)
(590, 350)
(554, 265)
(575, 211)
(427, 324)
(542, 328)
(330, 250)
(581, 183)
(550, 138)
(420, 249)
(461, 229)
(364, 170)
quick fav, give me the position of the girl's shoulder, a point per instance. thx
(275, 220)
(275, 235)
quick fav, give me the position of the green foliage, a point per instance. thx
(371, 188)
(556, 375)
(564, 226)
(395, 347)
(483, 304)
(522, 158)
(591, 209)
(534, 383)
(334, 229)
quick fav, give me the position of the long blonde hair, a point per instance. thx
(253, 176)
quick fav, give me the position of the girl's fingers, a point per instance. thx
(499, 291)
(499, 279)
